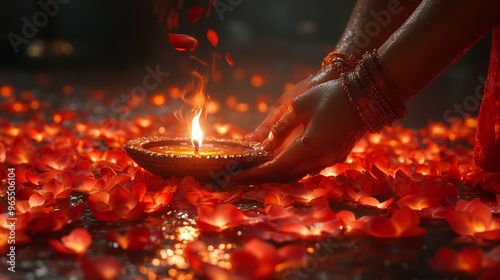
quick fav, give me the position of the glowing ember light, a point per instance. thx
(57, 118)
(287, 86)
(257, 80)
(239, 74)
(242, 107)
(18, 107)
(6, 91)
(262, 107)
(174, 92)
(231, 101)
(67, 90)
(217, 76)
(34, 105)
(222, 128)
(196, 132)
(158, 99)
(144, 121)
(212, 106)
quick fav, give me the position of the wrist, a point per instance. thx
(372, 93)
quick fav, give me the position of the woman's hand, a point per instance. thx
(331, 130)
(286, 99)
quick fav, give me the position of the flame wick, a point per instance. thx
(196, 147)
(196, 133)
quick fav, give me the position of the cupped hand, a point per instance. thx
(330, 132)
(286, 99)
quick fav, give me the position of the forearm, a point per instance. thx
(372, 22)
(434, 37)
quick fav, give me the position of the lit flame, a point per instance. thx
(196, 133)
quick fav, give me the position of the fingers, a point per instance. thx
(282, 129)
(291, 165)
(275, 113)
(262, 131)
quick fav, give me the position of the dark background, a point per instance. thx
(112, 41)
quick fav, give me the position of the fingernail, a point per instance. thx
(265, 144)
(250, 136)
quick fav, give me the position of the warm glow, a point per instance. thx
(158, 99)
(196, 133)
(257, 80)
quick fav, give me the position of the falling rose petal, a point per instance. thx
(105, 268)
(219, 217)
(183, 42)
(75, 243)
(195, 13)
(229, 59)
(212, 37)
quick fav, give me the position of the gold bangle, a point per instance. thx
(339, 62)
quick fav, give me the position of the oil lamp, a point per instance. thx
(202, 158)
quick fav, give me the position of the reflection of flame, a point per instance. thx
(196, 133)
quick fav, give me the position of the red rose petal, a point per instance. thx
(195, 13)
(182, 42)
(229, 59)
(212, 37)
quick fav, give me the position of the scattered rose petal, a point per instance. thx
(105, 268)
(218, 217)
(136, 238)
(75, 243)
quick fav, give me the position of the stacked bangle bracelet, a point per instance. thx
(340, 62)
(370, 90)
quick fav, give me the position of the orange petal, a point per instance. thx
(78, 240)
